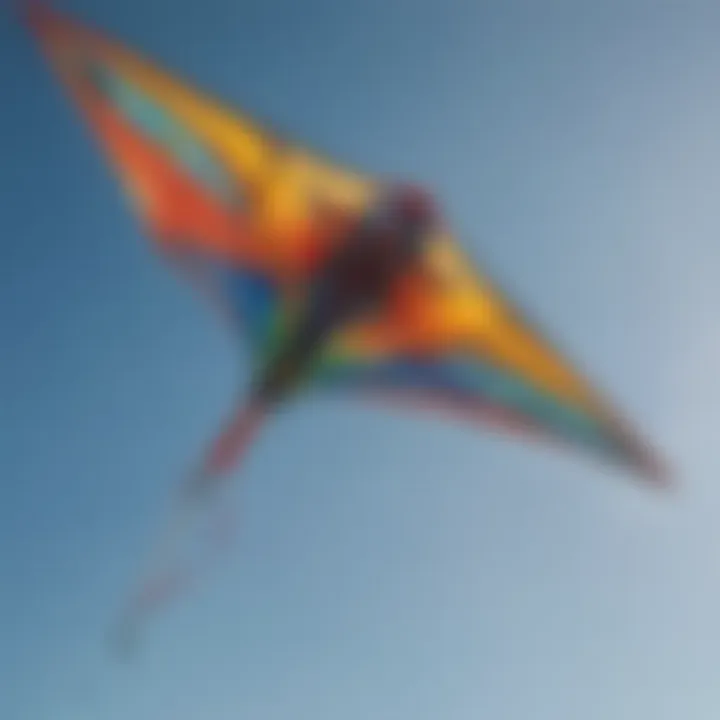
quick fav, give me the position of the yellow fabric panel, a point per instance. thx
(463, 314)
(285, 175)
(283, 183)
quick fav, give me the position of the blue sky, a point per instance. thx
(389, 566)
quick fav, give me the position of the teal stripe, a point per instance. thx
(158, 124)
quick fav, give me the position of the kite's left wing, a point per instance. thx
(246, 210)
(452, 341)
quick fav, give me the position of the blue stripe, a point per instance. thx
(478, 381)
(252, 298)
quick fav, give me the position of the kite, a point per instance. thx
(337, 280)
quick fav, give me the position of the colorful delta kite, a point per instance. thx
(337, 280)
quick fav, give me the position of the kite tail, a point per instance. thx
(172, 569)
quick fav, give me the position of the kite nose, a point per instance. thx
(658, 472)
(34, 13)
(44, 22)
(648, 464)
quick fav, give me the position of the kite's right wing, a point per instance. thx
(452, 341)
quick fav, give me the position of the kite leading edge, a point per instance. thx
(338, 281)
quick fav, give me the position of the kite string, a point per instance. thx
(169, 576)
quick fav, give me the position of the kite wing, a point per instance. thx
(245, 211)
(453, 341)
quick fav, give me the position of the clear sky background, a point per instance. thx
(390, 566)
